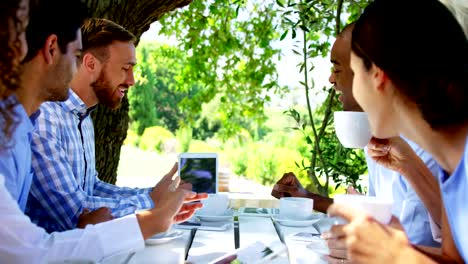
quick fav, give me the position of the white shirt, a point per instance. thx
(23, 242)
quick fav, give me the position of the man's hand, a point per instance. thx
(289, 186)
(173, 207)
(100, 215)
(163, 185)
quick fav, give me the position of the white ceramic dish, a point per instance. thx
(295, 222)
(227, 216)
(164, 237)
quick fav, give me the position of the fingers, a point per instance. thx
(336, 231)
(395, 223)
(104, 213)
(376, 153)
(336, 243)
(276, 194)
(196, 197)
(281, 188)
(338, 253)
(183, 217)
(379, 145)
(86, 211)
(351, 190)
(186, 185)
(171, 172)
(287, 178)
(174, 184)
(190, 207)
(335, 260)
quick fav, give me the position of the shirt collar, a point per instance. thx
(74, 104)
(25, 124)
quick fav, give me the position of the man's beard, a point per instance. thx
(105, 92)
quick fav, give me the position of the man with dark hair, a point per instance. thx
(64, 43)
(66, 182)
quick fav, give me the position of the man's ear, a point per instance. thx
(90, 62)
(50, 49)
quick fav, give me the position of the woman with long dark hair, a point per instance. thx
(410, 64)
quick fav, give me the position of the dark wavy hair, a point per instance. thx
(9, 68)
(422, 48)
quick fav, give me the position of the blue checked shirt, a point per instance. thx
(66, 180)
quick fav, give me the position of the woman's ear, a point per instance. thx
(50, 49)
(380, 79)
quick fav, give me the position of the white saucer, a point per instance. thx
(227, 216)
(295, 222)
(162, 238)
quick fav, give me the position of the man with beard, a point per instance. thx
(66, 182)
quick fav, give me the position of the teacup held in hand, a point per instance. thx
(379, 209)
(352, 128)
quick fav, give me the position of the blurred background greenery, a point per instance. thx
(216, 89)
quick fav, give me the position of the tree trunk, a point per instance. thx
(111, 125)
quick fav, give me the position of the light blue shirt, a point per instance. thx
(407, 206)
(15, 162)
(455, 196)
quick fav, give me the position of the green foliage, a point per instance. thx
(132, 139)
(201, 146)
(153, 138)
(262, 161)
(229, 52)
(155, 98)
(317, 22)
(184, 137)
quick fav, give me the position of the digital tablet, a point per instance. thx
(201, 170)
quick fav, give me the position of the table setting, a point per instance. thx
(290, 233)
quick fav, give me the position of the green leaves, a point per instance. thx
(316, 21)
(229, 52)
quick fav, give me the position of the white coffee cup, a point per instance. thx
(352, 128)
(380, 209)
(296, 208)
(215, 204)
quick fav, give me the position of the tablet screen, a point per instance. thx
(200, 172)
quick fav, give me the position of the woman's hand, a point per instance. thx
(394, 153)
(366, 240)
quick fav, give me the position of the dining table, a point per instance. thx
(196, 246)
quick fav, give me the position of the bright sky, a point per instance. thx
(288, 72)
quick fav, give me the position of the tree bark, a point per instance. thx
(111, 125)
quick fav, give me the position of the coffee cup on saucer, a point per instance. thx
(296, 208)
(215, 205)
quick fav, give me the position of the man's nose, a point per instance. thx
(332, 78)
(130, 81)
